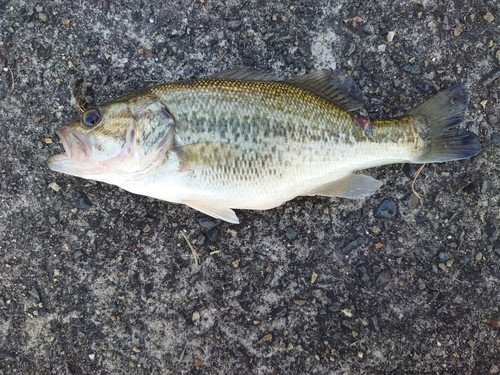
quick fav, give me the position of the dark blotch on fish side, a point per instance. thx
(386, 209)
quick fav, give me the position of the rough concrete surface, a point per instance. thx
(95, 280)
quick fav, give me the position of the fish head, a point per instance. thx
(120, 138)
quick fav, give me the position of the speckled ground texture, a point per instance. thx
(94, 280)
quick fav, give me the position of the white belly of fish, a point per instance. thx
(300, 175)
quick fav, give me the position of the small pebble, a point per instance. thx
(432, 250)
(206, 222)
(314, 276)
(54, 186)
(352, 48)
(52, 220)
(383, 278)
(352, 245)
(458, 299)
(374, 320)
(495, 138)
(83, 200)
(488, 17)
(34, 293)
(363, 275)
(234, 25)
(473, 128)
(386, 209)
(412, 68)
(390, 36)
(464, 260)
(485, 187)
(238, 353)
(290, 233)
(443, 257)
(458, 29)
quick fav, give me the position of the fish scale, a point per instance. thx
(242, 140)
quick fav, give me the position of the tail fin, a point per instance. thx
(440, 115)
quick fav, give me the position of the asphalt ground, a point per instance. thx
(95, 280)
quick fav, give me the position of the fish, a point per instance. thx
(243, 139)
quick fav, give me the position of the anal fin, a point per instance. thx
(351, 186)
(214, 210)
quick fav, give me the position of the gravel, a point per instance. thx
(94, 280)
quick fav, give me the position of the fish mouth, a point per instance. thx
(77, 149)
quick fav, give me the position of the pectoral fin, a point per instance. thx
(351, 186)
(214, 210)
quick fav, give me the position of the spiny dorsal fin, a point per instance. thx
(246, 74)
(336, 87)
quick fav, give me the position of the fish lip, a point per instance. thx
(77, 149)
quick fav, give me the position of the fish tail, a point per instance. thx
(440, 116)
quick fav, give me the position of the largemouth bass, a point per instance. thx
(243, 140)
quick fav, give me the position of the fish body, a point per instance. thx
(242, 140)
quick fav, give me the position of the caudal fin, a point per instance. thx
(440, 116)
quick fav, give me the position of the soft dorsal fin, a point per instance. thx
(336, 87)
(246, 74)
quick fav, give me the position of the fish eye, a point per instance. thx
(91, 118)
